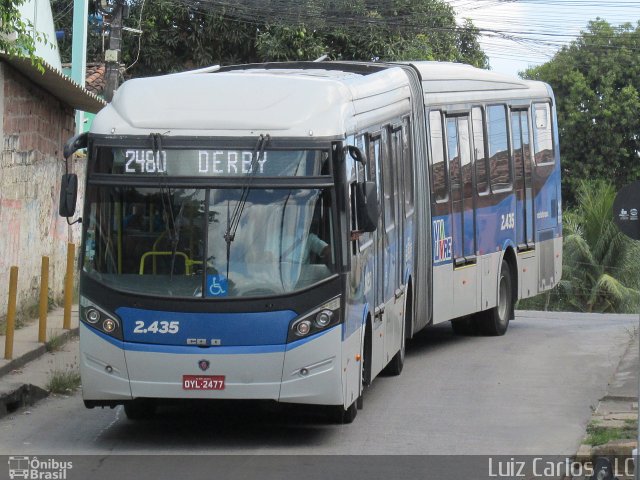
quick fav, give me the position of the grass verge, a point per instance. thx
(63, 381)
(55, 342)
(599, 434)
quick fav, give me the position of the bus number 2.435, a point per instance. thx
(157, 327)
(508, 221)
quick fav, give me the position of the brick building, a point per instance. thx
(36, 118)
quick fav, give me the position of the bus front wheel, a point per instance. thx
(342, 416)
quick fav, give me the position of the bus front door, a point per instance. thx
(379, 242)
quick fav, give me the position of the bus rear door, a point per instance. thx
(463, 215)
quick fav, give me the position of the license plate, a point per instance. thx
(203, 382)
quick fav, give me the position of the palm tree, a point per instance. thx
(601, 272)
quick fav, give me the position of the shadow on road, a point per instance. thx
(222, 426)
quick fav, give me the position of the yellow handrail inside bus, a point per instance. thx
(188, 263)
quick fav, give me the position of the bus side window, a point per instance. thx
(360, 176)
(388, 173)
(407, 167)
(370, 144)
(480, 156)
(373, 159)
(499, 161)
(542, 137)
(439, 177)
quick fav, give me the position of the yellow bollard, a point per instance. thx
(68, 286)
(44, 300)
(11, 313)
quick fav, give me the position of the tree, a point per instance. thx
(596, 81)
(182, 34)
(62, 11)
(395, 30)
(600, 268)
(16, 37)
(179, 37)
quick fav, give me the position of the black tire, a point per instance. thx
(344, 417)
(366, 366)
(140, 409)
(394, 367)
(496, 320)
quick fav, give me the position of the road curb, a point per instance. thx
(619, 398)
(37, 352)
(19, 395)
(615, 406)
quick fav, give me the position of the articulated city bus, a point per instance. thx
(278, 231)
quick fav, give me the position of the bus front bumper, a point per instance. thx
(307, 371)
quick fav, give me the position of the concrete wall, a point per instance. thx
(33, 128)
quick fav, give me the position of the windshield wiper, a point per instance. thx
(167, 204)
(234, 220)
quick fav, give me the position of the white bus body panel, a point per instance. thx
(322, 359)
(490, 265)
(96, 355)
(318, 103)
(268, 376)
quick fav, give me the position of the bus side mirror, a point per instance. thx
(368, 210)
(357, 154)
(74, 144)
(68, 194)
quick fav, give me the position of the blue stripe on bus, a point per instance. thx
(365, 312)
(193, 350)
(489, 224)
(231, 329)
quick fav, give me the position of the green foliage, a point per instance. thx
(601, 272)
(177, 37)
(17, 36)
(180, 36)
(596, 81)
(64, 381)
(383, 34)
(56, 342)
(63, 20)
(601, 434)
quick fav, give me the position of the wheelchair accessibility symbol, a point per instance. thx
(217, 286)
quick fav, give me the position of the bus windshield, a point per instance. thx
(171, 241)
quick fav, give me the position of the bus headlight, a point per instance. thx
(109, 325)
(303, 328)
(323, 318)
(315, 321)
(98, 318)
(92, 316)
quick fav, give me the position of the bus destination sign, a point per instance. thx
(215, 163)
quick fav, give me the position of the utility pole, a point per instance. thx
(113, 54)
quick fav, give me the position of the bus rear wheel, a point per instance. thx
(496, 320)
(395, 366)
(464, 326)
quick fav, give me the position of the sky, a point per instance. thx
(536, 28)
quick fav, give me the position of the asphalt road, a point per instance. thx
(529, 392)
